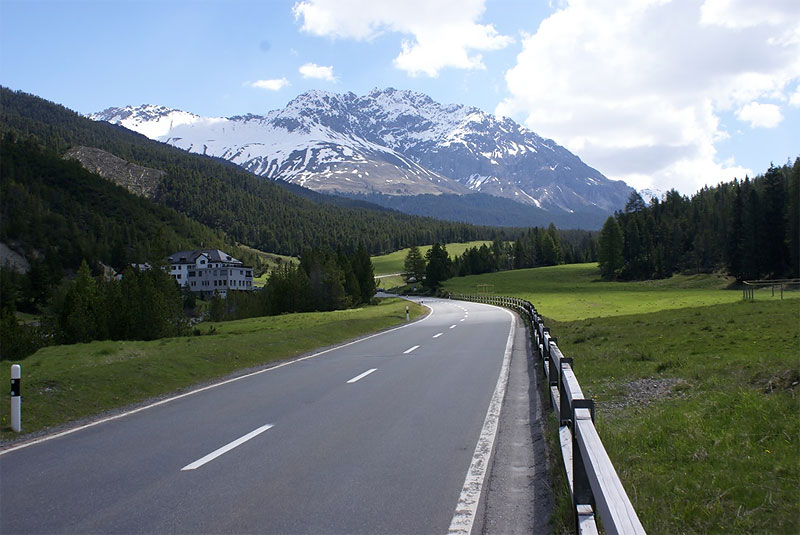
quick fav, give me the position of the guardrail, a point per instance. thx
(593, 482)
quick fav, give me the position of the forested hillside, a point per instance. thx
(60, 213)
(747, 227)
(249, 209)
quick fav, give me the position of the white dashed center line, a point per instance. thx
(359, 377)
(225, 449)
(452, 326)
(437, 335)
(409, 350)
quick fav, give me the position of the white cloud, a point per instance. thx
(637, 88)
(746, 13)
(275, 84)
(794, 100)
(320, 72)
(760, 115)
(443, 33)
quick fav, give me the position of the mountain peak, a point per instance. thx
(396, 142)
(153, 121)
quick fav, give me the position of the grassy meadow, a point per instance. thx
(65, 383)
(271, 260)
(697, 392)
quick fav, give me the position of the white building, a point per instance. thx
(209, 270)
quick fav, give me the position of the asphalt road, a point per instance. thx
(377, 436)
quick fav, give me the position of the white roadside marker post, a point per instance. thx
(406, 312)
(16, 416)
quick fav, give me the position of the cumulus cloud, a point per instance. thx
(760, 115)
(442, 33)
(274, 84)
(795, 98)
(638, 87)
(320, 72)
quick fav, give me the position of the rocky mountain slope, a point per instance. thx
(137, 179)
(388, 142)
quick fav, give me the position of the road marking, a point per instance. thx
(409, 350)
(358, 377)
(453, 326)
(47, 438)
(462, 319)
(437, 335)
(467, 505)
(226, 448)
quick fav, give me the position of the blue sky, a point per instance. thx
(658, 93)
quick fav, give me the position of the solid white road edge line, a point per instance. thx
(202, 389)
(467, 505)
(359, 377)
(226, 448)
(437, 335)
(409, 350)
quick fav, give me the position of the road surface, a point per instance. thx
(377, 436)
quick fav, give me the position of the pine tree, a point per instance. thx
(773, 235)
(609, 249)
(365, 273)
(793, 220)
(439, 266)
(414, 265)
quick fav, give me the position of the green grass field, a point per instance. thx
(575, 291)
(697, 393)
(64, 383)
(393, 262)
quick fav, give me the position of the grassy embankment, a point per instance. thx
(392, 263)
(697, 392)
(64, 383)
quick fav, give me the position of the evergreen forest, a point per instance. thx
(748, 228)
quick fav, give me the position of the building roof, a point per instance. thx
(214, 255)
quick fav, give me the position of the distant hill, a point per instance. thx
(483, 209)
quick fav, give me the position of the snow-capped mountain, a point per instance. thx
(388, 141)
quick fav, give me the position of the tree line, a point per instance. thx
(149, 304)
(144, 305)
(748, 228)
(324, 280)
(535, 248)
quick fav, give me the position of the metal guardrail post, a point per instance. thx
(565, 416)
(581, 487)
(554, 371)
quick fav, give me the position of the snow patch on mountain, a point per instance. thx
(388, 141)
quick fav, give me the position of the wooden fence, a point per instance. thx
(593, 482)
(749, 287)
